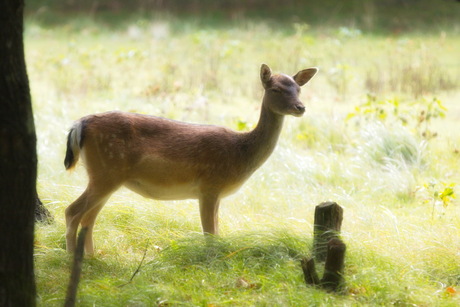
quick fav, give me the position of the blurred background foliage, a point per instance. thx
(386, 16)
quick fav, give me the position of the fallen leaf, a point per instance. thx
(241, 283)
(451, 291)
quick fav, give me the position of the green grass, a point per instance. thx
(402, 240)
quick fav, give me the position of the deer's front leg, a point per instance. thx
(209, 209)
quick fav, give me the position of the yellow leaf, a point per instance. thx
(451, 291)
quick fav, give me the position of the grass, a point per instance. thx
(402, 239)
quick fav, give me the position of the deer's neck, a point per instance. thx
(262, 140)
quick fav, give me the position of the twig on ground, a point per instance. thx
(138, 267)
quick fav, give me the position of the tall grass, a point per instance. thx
(403, 246)
(419, 73)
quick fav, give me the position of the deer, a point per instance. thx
(164, 159)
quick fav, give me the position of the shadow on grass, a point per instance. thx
(249, 250)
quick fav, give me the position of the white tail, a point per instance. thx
(165, 159)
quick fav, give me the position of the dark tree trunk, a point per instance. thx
(18, 163)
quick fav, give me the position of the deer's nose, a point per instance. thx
(300, 108)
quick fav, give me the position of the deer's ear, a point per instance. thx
(303, 76)
(265, 74)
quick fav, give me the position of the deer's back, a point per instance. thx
(141, 151)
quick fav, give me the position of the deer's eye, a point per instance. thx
(275, 90)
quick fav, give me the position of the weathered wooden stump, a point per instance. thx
(309, 271)
(328, 247)
(327, 224)
(333, 268)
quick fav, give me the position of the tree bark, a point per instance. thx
(327, 224)
(18, 163)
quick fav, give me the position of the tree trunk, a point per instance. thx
(18, 163)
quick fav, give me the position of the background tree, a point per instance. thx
(18, 163)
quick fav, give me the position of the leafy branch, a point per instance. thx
(417, 114)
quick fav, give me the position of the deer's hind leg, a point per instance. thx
(84, 210)
(88, 221)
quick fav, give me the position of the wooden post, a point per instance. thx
(327, 224)
(333, 268)
(326, 246)
(309, 271)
